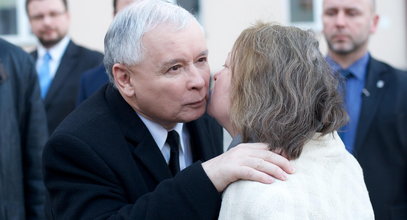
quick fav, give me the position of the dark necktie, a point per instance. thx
(346, 73)
(346, 133)
(173, 141)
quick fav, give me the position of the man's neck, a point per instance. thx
(49, 45)
(346, 60)
(63, 41)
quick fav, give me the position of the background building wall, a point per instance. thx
(390, 41)
(224, 20)
(90, 20)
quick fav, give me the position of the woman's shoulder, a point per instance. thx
(253, 200)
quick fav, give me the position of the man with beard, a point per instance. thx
(59, 61)
(376, 100)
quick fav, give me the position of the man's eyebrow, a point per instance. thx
(172, 62)
(179, 60)
(203, 53)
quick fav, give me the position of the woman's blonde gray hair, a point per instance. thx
(283, 91)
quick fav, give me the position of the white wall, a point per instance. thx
(390, 41)
(225, 19)
(90, 20)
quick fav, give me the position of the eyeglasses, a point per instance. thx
(52, 15)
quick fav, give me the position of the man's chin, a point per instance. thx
(47, 43)
(342, 49)
(194, 115)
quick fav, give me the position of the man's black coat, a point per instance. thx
(102, 163)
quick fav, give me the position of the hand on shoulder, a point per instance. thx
(249, 161)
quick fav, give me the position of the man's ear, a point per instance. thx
(375, 24)
(122, 80)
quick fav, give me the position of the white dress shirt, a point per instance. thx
(159, 134)
(56, 53)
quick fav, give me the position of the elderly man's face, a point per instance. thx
(170, 84)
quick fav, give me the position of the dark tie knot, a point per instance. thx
(346, 73)
(173, 139)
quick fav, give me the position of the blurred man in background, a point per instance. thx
(376, 101)
(59, 61)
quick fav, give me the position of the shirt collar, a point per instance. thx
(57, 51)
(358, 68)
(159, 133)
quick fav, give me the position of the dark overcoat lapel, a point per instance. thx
(145, 150)
(376, 76)
(68, 62)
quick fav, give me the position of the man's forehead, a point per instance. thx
(165, 52)
(46, 4)
(167, 37)
(346, 4)
(167, 27)
(47, 1)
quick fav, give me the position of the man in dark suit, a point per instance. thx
(59, 61)
(142, 148)
(376, 101)
(91, 81)
(23, 134)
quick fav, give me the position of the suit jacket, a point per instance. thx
(23, 134)
(102, 163)
(91, 81)
(381, 140)
(315, 191)
(63, 91)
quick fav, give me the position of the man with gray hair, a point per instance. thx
(142, 147)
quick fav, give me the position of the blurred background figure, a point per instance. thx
(277, 88)
(59, 61)
(376, 101)
(23, 135)
(95, 78)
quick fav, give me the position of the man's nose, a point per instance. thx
(340, 19)
(197, 78)
(46, 19)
